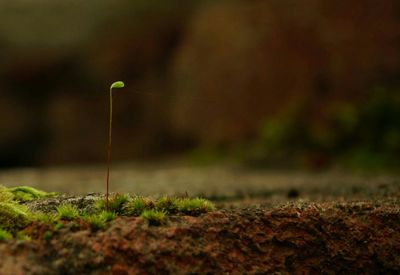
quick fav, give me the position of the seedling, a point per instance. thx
(115, 85)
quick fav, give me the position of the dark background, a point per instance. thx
(269, 83)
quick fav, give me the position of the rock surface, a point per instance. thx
(352, 238)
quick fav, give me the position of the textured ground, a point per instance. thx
(265, 223)
(297, 238)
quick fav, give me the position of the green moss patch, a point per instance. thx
(115, 203)
(5, 235)
(169, 205)
(27, 193)
(5, 194)
(194, 206)
(136, 205)
(68, 212)
(13, 216)
(154, 217)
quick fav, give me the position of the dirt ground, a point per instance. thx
(286, 224)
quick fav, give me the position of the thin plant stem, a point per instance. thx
(118, 85)
(109, 148)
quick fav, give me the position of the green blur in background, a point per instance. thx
(267, 83)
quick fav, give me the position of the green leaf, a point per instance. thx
(117, 85)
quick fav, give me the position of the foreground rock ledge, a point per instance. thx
(348, 238)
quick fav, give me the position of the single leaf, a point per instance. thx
(117, 85)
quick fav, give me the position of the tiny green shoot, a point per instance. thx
(115, 85)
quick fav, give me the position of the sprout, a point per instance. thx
(115, 85)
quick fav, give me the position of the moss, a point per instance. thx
(99, 220)
(27, 193)
(5, 235)
(154, 217)
(13, 216)
(95, 221)
(108, 216)
(22, 236)
(22, 194)
(5, 194)
(195, 206)
(168, 204)
(48, 218)
(59, 226)
(137, 205)
(68, 212)
(115, 203)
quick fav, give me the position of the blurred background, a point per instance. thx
(266, 83)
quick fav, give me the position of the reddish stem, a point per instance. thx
(109, 151)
